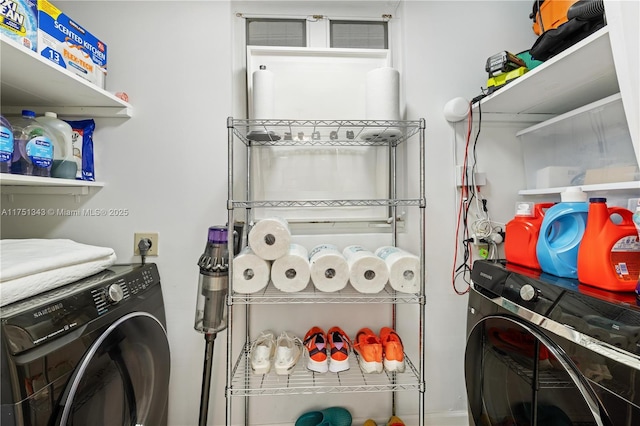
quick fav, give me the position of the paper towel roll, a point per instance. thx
(264, 97)
(367, 272)
(264, 101)
(382, 102)
(250, 272)
(404, 268)
(270, 238)
(291, 272)
(329, 268)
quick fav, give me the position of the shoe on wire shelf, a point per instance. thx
(369, 349)
(288, 351)
(261, 352)
(393, 351)
(339, 348)
(316, 343)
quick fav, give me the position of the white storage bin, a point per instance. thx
(589, 145)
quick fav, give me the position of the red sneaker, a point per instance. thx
(393, 350)
(339, 348)
(369, 349)
(316, 343)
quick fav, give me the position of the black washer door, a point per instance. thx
(517, 376)
(123, 377)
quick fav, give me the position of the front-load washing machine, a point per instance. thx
(94, 352)
(548, 351)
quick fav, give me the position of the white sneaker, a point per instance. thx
(261, 352)
(288, 351)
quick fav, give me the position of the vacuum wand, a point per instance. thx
(206, 379)
(211, 306)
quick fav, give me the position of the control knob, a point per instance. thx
(528, 293)
(114, 293)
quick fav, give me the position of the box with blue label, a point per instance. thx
(66, 43)
(19, 22)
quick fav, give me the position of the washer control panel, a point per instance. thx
(529, 293)
(37, 320)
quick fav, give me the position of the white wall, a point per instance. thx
(167, 165)
(446, 46)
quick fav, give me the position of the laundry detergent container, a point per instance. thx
(561, 233)
(609, 255)
(522, 234)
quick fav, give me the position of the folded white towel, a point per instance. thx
(32, 266)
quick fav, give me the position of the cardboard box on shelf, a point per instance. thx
(68, 44)
(556, 176)
(611, 174)
(19, 22)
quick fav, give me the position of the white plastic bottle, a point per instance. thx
(64, 165)
(34, 143)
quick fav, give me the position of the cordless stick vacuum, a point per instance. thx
(211, 307)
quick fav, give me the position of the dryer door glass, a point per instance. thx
(517, 376)
(123, 377)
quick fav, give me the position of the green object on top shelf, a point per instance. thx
(528, 60)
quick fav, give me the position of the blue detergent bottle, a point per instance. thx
(6, 145)
(561, 233)
(34, 146)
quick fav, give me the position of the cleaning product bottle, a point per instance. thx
(6, 145)
(64, 164)
(34, 143)
(522, 233)
(561, 232)
(609, 255)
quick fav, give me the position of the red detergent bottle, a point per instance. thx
(609, 254)
(521, 234)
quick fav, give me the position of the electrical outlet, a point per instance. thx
(480, 177)
(153, 236)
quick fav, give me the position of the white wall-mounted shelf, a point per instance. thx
(36, 185)
(32, 82)
(581, 74)
(22, 180)
(617, 186)
(594, 106)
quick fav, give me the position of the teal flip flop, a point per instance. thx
(332, 416)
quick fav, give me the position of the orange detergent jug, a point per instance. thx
(609, 254)
(521, 234)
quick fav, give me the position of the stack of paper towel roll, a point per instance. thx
(250, 272)
(368, 273)
(271, 255)
(382, 103)
(329, 268)
(404, 268)
(291, 272)
(269, 239)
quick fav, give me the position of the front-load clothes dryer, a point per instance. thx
(94, 352)
(547, 351)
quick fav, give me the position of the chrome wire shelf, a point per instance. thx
(271, 295)
(328, 203)
(547, 378)
(324, 132)
(303, 381)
